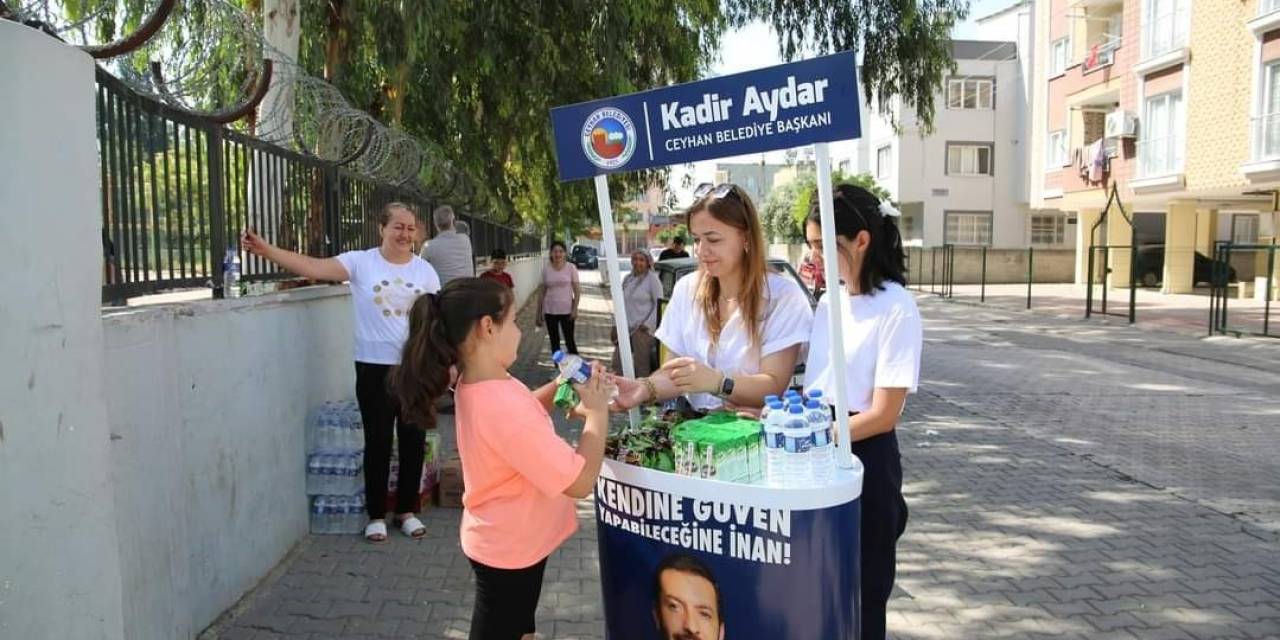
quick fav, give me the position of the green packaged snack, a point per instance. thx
(722, 446)
(565, 398)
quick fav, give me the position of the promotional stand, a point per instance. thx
(727, 560)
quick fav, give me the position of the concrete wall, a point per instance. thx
(59, 561)
(1004, 266)
(208, 403)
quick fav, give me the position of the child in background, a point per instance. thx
(498, 268)
(521, 478)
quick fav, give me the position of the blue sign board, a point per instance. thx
(780, 107)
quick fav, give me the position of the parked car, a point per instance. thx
(1150, 268)
(624, 267)
(584, 257)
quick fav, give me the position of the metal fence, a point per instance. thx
(939, 264)
(1101, 264)
(1250, 271)
(177, 190)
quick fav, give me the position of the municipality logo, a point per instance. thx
(608, 138)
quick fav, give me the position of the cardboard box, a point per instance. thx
(450, 486)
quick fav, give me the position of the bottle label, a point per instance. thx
(799, 444)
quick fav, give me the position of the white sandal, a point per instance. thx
(413, 527)
(376, 531)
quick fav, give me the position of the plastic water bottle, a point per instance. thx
(231, 273)
(772, 421)
(797, 442)
(572, 367)
(358, 513)
(313, 474)
(822, 457)
(816, 394)
(792, 396)
(315, 514)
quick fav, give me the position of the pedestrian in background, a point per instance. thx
(449, 251)
(641, 291)
(558, 298)
(498, 268)
(384, 281)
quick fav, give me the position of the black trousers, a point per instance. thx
(381, 413)
(557, 323)
(884, 518)
(506, 600)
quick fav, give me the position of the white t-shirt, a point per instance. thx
(882, 343)
(787, 320)
(382, 294)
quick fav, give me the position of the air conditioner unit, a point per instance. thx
(1121, 124)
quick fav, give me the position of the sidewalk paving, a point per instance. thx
(1065, 479)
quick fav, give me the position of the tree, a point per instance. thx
(905, 44)
(784, 211)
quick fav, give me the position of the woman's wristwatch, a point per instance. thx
(726, 386)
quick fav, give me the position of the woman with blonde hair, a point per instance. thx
(735, 327)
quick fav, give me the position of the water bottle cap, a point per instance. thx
(813, 404)
(557, 356)
(815, 394)
(769, 399)
(795, 408)
(792, 393)
(775, 405)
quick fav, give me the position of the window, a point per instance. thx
(1048, 230)
(1057, 151)
(968, 228)
(1244, 228)
(1266, 127)
(884, 161)
(970, 93)
(846, 167)
(1160, 150)
(1164, 26)
(1268, 6)
(1059, 55)
(969, 159)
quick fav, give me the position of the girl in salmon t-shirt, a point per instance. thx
(521, 478)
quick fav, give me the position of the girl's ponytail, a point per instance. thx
(438, 325)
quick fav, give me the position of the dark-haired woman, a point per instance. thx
(736, 327)
(558, 298)
(385, 280)
(522, 479)
(882, 342)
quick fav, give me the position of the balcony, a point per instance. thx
(1100, 55)
(1159, 164)
(1264, 157)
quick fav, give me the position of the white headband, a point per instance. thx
(889, 211)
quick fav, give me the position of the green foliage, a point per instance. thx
(784, 211)
(679, 231)
(477, 80)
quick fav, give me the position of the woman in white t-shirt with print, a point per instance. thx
(882, 343)
(736, 327)
(385, 281)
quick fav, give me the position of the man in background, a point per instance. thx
(676, 250)
(449, 252)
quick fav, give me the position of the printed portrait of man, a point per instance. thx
(686, 600)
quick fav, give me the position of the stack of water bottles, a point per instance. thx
(335, 469)
(798, 440)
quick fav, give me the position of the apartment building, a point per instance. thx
(964, 183)
(1175, 105)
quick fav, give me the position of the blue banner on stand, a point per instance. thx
(691, 558)
(780, 107)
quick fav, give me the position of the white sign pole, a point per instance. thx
(835, 306)
(615, 284)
